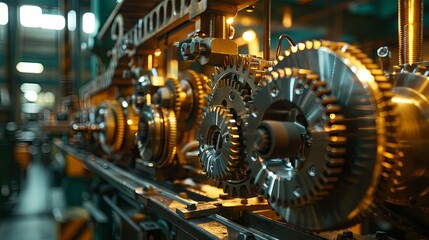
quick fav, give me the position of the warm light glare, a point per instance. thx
(30, 16)
(287, 17)
(157, 53)
(230, 20)
(53, 22)
(71, 20)
(249, 35)
(29, 67)
(130, 122)
(31, 96)
(25, 87)
(4, 15)
(88, 22)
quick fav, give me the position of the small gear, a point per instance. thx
(233, 84)
(156, 137)
(366, 110)
(219, 143)
(110, 117)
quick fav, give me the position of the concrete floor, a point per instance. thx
(32, 218)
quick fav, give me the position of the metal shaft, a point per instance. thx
(410, 26)
(267, 29)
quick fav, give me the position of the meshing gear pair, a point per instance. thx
(320, 122)
(221, 133)
(172, 119)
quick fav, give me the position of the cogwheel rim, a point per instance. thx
(174, 84)
(220, 143)
(241, 73)
(116, 109)
(272, 180)
(171, 135)
(379, 140)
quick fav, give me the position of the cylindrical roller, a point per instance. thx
(278, 139)
(410, 29)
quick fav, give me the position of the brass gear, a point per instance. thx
(411, 186)
(111, 119)
(364, 94)
(219, 143)
(156, 138)
(295, 100)
(233, 85)
(193, 92)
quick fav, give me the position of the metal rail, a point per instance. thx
(201, 220)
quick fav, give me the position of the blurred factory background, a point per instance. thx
(47, 51)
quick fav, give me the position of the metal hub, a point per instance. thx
(219, 143)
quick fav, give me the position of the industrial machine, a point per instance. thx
(203, 142)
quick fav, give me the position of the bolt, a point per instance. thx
(191, 206)
(244, 201)
(185, 49)
(383, 52)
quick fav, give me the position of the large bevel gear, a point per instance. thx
(220, 146)
(156, 137)
(369, 146)
(233, 85)
(297, 133)
(411, 183)
(110, 118)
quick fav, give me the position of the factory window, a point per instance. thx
(4, 15)
(29, 67)
(88, 22)
(33, 17)
(30, 16)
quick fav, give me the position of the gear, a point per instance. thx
(297, 120)
(411, 187)
(194, 88)
(109, 116)
(220, 143)
(233, 85)
(360, 128)
(156, 138)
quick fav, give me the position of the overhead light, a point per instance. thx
(52, 21)
(31, 96)
(88, 22)
(287, 17)
(29, 67)
(71, 20)
(230, 20)
(249, 35)
(157, 52)
(30, 16)
(25, 87)
(4, 14)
